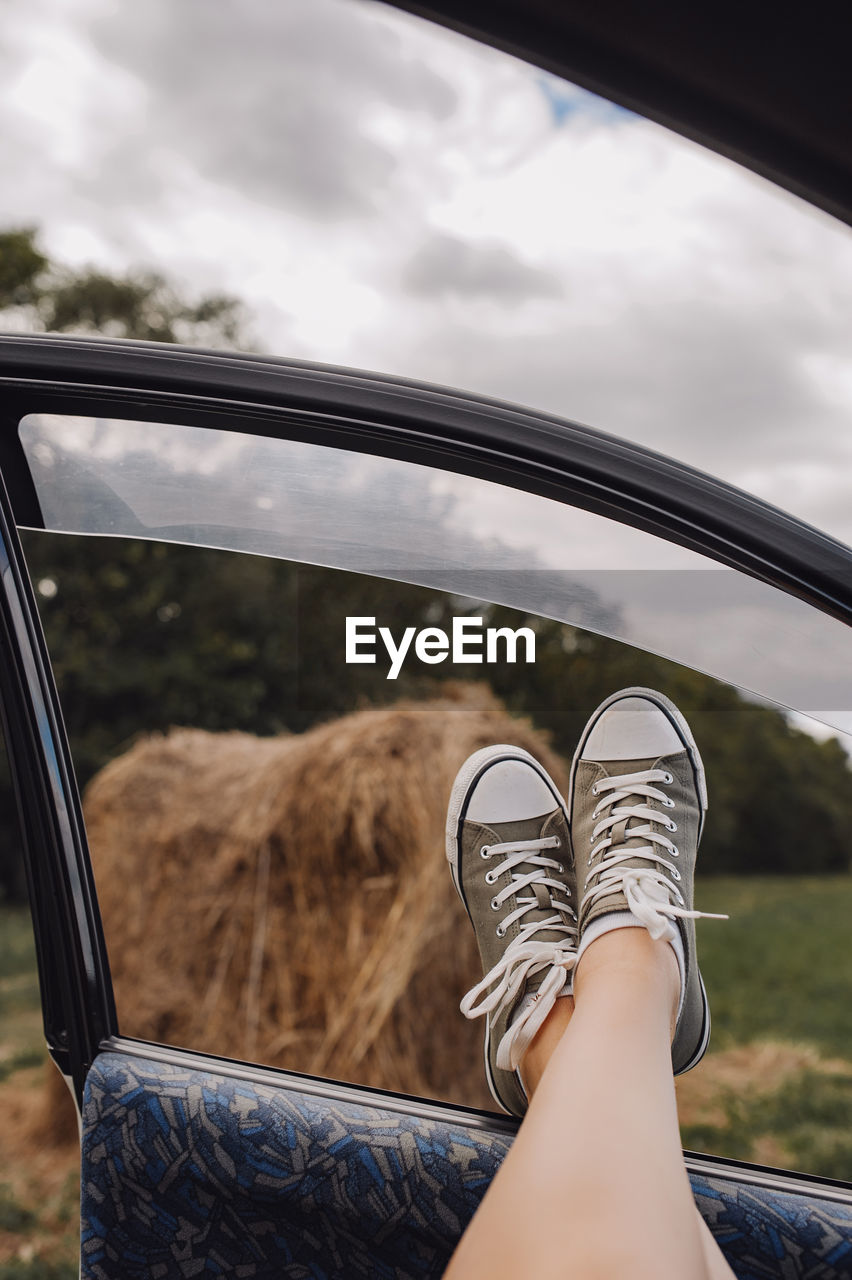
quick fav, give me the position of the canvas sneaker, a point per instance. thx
(637, 803)
(510, 856)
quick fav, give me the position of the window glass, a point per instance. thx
(266, 819)
(420, 524)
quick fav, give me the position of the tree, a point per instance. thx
(38, 295)
(21, 266)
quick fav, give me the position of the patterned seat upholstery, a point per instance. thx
(196, 1173)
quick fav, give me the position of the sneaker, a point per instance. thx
(509, 852)
(637, 803)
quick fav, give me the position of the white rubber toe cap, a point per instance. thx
(632, 729)
(509, 791)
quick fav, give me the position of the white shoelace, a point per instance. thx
(650, 895)
(525, 956)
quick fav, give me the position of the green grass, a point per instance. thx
(13, 1216)
(21, 1034)
(781, 967)
(780, 970)
(17, 949)
(38, 1224)
(807, 1117)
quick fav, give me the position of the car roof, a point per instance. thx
(768, 86)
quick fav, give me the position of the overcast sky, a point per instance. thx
(387, 195)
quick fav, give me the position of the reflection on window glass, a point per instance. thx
(266, 823)
(424, 525)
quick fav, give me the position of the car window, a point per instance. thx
(265, 804)
(414, 523)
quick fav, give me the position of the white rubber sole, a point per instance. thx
(705, 1039)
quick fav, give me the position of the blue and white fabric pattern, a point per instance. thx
(195, 1173)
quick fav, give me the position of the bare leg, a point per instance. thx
(541, 1050)
(717, 1267)
(595, 1184)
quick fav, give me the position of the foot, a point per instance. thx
(510, 857)
(637, 804)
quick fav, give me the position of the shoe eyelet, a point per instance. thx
(485, 852)
(671, 826)
(495, 905)
(675, 874)
(668, 779)
(558, 844)
(595, 789)
(500, 931)
(668, 802)
(490, 877)
(591, 839)
(561, 869)
(674, 851)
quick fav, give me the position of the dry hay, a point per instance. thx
(287, 900)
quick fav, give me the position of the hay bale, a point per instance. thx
(287, 900)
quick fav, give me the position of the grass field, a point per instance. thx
(782, 964)
(775, 1088)
(38, 1195)
(21, 1041)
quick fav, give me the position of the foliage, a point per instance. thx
(36, 294)
(13, 1216)
(39, 295)
(22, 264)
(143, 636)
